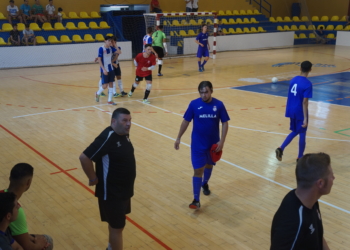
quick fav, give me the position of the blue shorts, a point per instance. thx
(108, 78)
(201, 158)
(202, 52)
(296, 126)
(117, 71)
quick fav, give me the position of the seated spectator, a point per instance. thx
(50, 10)
(59, 15)
(220, 32)
(194, 5)
(39, 12)
(320, 35)
(25, 11)
(14, 36)
(13, 13)
(20, 180)
(189, 5)
(155, 7)
(8, 214)
(28, 36)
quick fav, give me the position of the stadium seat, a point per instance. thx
(193, 22)
(339, 27)
(319, 26)
(225, 31)
(82, 26)
(249, 12)
(239, 31)
(104, 25)
(2, 42)
(312, 35)
(191, 33)
(294, 28)
(279, 19)
(73, 15)
(53, 39)
(242, 12)
(334, 19)
(183, 22)
(296, 19)
(343, 19)
(324, 19)
(20, 26)
(228, 12)
(311, 27)
(41, 40)
(109, 34)
(261, 29)
(63, 15)
(330, 27)
(287, 19)
(347, 28)
(6, 27)
(231, 21)
(239, 21)
(182, 33)
(2, 17)
(302, 27)
(246, 30)
(315, 19)
(99, 37)
(59, 26)
(179, 43)
(88, 38)
(94, 26)
(296, 36)
(235, 13)
(94, 14)
(209, 21)
(253, 30)
(302, 36)
(256, 12)
(221, 13)
(34, 27)
(176, 23)
(280, 28)
(172, 33)
(331, 36)
(253, 20)
(231, 31)
(224, 21)
(77, 39)
(200, 21)
(304, 19)
(83, 14)
(246, 20)
(65, 39)
(8, 41)
(273, 20)
(286, 28)
(47, 26)
(71, 26)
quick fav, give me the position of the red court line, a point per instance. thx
(84, 186)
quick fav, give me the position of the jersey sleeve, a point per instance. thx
(100, 52)
(99, 147)
(19, 226)
(308, 92)
(224, 117)
(164, 36)
(113, 49)
(149, 41)
(197, 38)
(189, 114)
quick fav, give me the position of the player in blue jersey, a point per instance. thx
(300, 90)
(203, 47)
(117, 70)
(206, 113)
(147, 39)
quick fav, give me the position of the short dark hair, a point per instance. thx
(119, 111)
(310, 168)
(15, 24)
(7, 201)
(108, 38)
(59, 9)
(204, 84)
(27, 25)
(306, 66)
(11, 1)
(149, 30)
(321, 27)
(160, 27)
(114, 38)
(20, 171)
(148, 45)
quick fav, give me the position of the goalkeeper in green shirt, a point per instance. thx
(159, 46)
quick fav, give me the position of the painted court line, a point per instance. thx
(82, 185)
(239, 167)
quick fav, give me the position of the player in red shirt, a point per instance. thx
(145, 62)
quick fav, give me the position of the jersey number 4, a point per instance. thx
(294, 89)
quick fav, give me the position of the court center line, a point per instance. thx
(237, 166)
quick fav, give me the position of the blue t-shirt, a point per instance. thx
(203, 39)
(25, 9)
(106, 57)
(206, 120)
(299, 88)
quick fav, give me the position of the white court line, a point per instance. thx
(235, 165)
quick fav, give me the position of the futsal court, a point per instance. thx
(49, 116)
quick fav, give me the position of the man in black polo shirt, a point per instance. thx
(297, 223)
(115, 174)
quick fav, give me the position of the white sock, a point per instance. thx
(114, 88)
(120, 84)
(100, 83)
(110, 94)
(100, 90)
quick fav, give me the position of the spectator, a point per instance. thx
(220, 32)
(25, 11)
(50, 9)
(14, 36)
(195, 5)
(320, 35)
(188, 5)
(155, 7)
(39, 11)
(20, 180)
(59, 15)
(28, 36)
(13, 13)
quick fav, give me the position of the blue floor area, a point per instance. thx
(333, 88)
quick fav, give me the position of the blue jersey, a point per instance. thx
(203, 39)
(299, 88)
(206, 120)
(25, 9)
(147, 40)
(106, 57)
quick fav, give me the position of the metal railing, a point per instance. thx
(262, 5)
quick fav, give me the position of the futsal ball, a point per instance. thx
(274, 79)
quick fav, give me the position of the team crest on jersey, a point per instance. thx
(118, 144)
(319, 215)
(214, 109)
(128, 138)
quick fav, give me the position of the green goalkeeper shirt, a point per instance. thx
(157, 38)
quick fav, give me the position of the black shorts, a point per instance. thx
(117, 71)
(114, 211)
(147, 78)
(108, 78)
(159, 51)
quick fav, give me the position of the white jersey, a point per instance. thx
(147, 40)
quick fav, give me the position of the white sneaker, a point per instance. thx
(130, 94)
(146, 101)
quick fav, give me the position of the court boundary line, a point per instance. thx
(83, 185)
(239, 167)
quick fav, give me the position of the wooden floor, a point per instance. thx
(49, 116)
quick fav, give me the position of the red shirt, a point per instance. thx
(144, 62)
(155, 3)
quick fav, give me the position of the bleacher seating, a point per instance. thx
(65, 39)
(2, 17)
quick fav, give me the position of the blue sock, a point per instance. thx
(204, 62)
(288, 140)
(302, 144)
(207, 174)
(197, 184)
(199, 64)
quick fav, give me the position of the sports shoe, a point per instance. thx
(195, 204)
(279, 153)
(206, 190)
(111, 103)
(97, 97)
(160, 74)
(123, 94)
(103, 94)
(200, 69)
(116, 95)
(203, 68)
(146, 101)
(130, 94)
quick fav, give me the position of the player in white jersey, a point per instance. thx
(117, 70)
(147, 39)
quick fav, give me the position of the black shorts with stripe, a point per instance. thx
(159, 51)
(114, 211)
